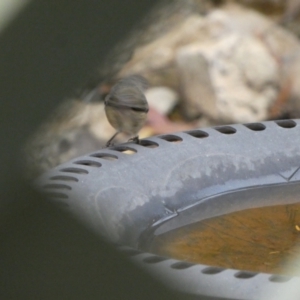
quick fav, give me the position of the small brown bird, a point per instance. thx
(126, 106)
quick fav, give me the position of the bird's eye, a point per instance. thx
(138, 109)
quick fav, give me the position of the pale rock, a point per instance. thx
(160, 53)
(229, 65)
(240, 83)
(234, 76)
(293, 82)
(246, 78)
(162, 99)
(195, 83)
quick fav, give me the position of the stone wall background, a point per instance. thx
(207, 62)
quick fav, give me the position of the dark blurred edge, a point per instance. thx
(46, 53)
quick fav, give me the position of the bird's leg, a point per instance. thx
(135, 139)
(111, 139)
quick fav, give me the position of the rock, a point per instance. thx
(195, 83)
(235, 89)
(246, 81)
(163, 99)
(229, 65)
(291, 98)
(231, 77)
(148, 60)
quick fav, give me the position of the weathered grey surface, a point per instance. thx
(123, 196)
(129, 197)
